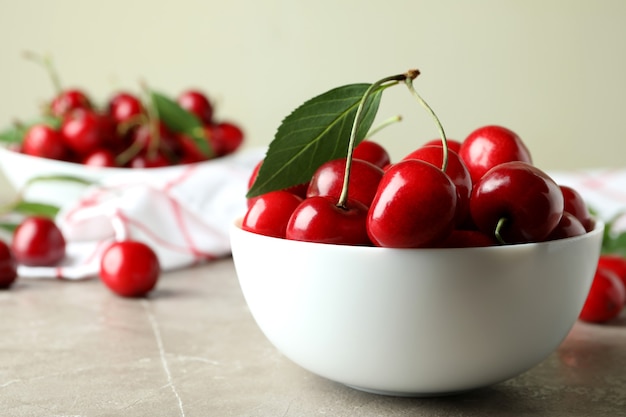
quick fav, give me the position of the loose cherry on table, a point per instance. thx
(328, 180)
(615, 263)
(8, 266)
(605, 299)
(518, 202)
(489, 146)
(130, 268)
(37, 241)
(415, 206)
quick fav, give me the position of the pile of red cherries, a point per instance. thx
(482, 191)
(123, 133)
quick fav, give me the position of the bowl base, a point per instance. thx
(408, 394)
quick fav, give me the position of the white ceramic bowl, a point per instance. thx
(415, 322)
(19, 169)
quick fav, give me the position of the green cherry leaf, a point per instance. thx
(15, 133)
(180, 120)
(314, 133)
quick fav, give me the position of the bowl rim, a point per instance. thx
(599, 226)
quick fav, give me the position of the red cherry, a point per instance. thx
(100, 158)
(123, 107)
(606, 298)
(8, 266)
(524, 198)
(453, 145)
(574, 204)
(329, 177)
(130, 268)
(372, 152)
(155, 160)
(198, 104)
(225, 137)
(45, 142)
(461, 238)
(37, 241)
(455, 169)
(319, 219)
(269, 213)
(414, 206)
(84, 131)
(569, 226)
(489, 146)
(69, 100)
(615, 263)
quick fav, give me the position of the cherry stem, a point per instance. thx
(46, 62)
(498, 232)
(409, 83)
(153, 121)
(385, 83)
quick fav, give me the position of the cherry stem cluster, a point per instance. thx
(46, 62)
(385, 82)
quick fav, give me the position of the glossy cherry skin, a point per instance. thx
(84, 131)
(45, 142)
(123, 107)
(372, 152)
(528, 200)
(605, 299)
(569, 226)
(100, 158)
(197, 103)
(415, 206)
(319, 219)
(453, 145)
(269, 213)
(130, 268)
(329, 177)
(489, 146)
(455, 169)
(68, 100)
(224, 137)
(8, 266)
(575, 204)
(37, 241)
(615, 263)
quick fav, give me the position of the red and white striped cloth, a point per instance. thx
(183, 215)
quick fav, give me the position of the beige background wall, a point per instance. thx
(554, 70)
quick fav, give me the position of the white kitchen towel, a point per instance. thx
(184, 215)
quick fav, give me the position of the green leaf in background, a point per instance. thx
(30, 208)
(316, 132)
(180, 120)
(15, 133)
